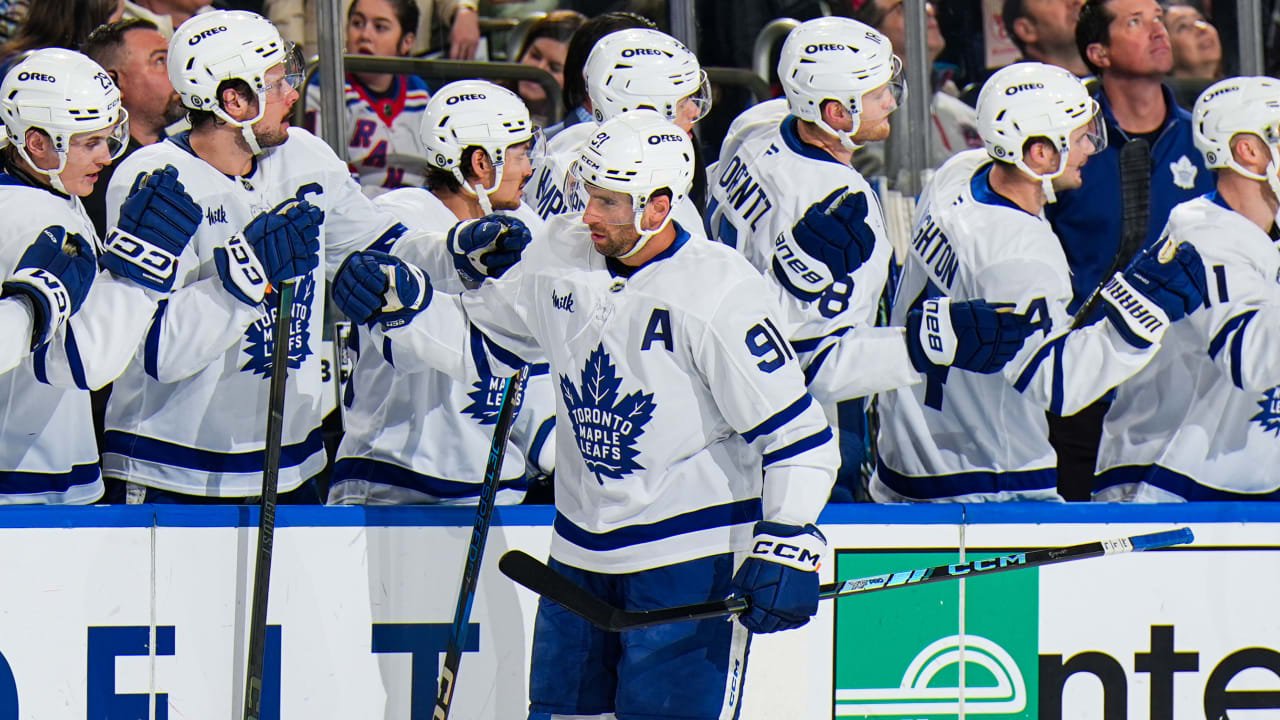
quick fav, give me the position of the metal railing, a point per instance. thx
(769, 37)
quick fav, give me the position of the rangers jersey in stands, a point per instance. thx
(1202, 421)
(189, 414)
(673, 392)
(384, 148)
(415, 437)
(967, 436)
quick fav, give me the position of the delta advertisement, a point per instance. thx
(140, 613)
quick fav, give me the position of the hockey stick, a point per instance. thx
(1135, 209)
(511, 391)
(267, 505)
(536, 576)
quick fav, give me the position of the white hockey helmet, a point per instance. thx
(1029, 100)
(62, 93)
(839, 59)
(211, 48)
(1234, 106)
(470, 113)
(640, 67)
(636, 153)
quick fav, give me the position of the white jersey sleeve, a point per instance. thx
(18, 322)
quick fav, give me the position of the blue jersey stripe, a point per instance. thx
(1174, 482)
(151, 348)
(540, 438)
(734, 513)
(1219, 341)
(1237, 352)
(13, 482)
(807, 344)
(933, 487)
(818, 439)
(74, 361)
(387, 473)
(780, 418)
(816, 364)
(162, 452)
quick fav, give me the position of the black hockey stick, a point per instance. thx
(1135, 209)
(535, 575)
(511, 392)
(267, 505)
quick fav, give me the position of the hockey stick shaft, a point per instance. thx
(267, 505)
(536, 576)
(511, 392)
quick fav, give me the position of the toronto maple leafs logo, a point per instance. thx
(1269, 416)
(260, 337)
(1184, 173)
(486, 399)
(605, 426)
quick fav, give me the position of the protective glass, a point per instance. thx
(1095, 131)
(116, 140)
(698, 103)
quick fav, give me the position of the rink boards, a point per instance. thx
(101, 606)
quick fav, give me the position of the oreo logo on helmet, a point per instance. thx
(454, 100)
(1015, 89)
(29, 75)
(631, 52)
(206, 34)
(663, 137)
(823, 47)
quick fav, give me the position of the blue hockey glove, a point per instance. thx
(1151, 293)
(54, 274)
(286, 239)
(374, 286)
(973, 335)
(834, 233)
(488, 246)
(156, 222)
(780, 577)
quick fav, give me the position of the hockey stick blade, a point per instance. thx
(538, 577)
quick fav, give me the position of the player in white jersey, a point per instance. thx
(1201, 421)
(383, 111)
(64, 122)
(414, 437)
(684, 429)
(626, 70)
(981, 232)
(278, 204)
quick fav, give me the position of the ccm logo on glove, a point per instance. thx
(795, 553)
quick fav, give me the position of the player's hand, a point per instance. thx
(488, 246)
(374, 286)
(286, 239)
(831, 241)
(972, 335)
(54, 274)
(157, 220)
(780, 577)
(240, 270)
(1153, 292)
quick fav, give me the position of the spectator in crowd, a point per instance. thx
(1197, 50)
(166, 14)
(1045, 31)
(577, 104)
(1125, 44)
(135, 55)
(384, 149)
(58, 23)
(296, 20)
(545, 46)
(12, 13)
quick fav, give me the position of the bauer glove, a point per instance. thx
(972, 335)
(374, 286)
(830, 242)
(488, 246)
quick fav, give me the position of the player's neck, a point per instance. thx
(462, 204)
(1251, 198)
(223, 147)
(811, 134)
(656, 246)
(1015, 186)
(1137, 102)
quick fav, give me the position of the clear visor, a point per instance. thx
(612, 208)
(1095, 134)
(295, 67)
(897, 84)
(535, 147)
(695, 106)
(114, 138)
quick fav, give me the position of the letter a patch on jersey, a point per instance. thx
(605, 426)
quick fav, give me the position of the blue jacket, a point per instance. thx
(1087, 220)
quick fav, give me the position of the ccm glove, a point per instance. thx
(973, 335)
(156, 222)
(488, 246)
(831, 241)
(242, 274)
(374, 286)
(286, 239)
(54, 275)
(1151, 293)
(780, 577)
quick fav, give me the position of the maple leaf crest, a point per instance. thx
(486, 399)
(260, 337)
(606, 427)
(1269, 416)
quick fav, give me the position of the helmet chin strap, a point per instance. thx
(246, 127)
(479, 191)
(54, 175)
(845, 136)
(644, 234)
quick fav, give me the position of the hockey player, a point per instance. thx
(64, 122)
(1200, 421)
(414, 437)
(626, 70)
(981, 232)
(383, 111)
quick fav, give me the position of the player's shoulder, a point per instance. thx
(1219, 232)
(685, 275)
(417, 208)
(27, 205)
(415, 86)
(571, 139)
(758, 118)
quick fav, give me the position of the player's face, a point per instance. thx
(280, 95)
(548, 54)
(87, 154)
(516, 171)
(877, 105)
(373, 29)
(609, 217)
(1139, 42)
(143, 79)
(1082, 146)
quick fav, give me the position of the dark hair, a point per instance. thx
(1010, 13)
(58, 23)
(198, 118)
(439, 180)
(559, 26)
(406, 12)
(1094, 26)
(580, 45)
(867, 12)
(103, 45)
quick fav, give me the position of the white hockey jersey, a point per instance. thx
(189, 414)
(1202, 421)
(765, 180)
(16, 321)
(673, 393)
(423, 437)
(384, 146)
(48, 452)
(967, 436)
